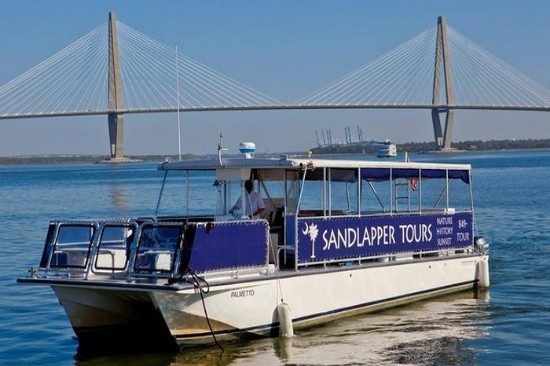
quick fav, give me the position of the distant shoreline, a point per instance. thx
(430, 147)
(66, 159)
(83, 159)
(341, 149)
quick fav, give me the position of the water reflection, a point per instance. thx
(283, 350)
(435, 332)
(118, 197)
(431, 332)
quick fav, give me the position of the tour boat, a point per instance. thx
(336, 238)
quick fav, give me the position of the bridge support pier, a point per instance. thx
(438, 133)
(443, 138)
(116, 136)
(449, 124)
(442, 60)
(115, 118)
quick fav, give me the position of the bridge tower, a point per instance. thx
(442, 61)
(115, 118)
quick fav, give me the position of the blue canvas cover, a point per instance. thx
(386, 173)
(225, 245)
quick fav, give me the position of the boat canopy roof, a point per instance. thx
(287, 162)
(370, 170)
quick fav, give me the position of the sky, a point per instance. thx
(286, 49)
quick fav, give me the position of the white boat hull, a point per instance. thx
(250, 307)
(313, 298)
(113, 318)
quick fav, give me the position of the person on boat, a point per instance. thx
(254, 204)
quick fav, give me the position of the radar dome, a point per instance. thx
(248, 149)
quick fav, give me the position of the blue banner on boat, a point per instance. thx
(349, 237)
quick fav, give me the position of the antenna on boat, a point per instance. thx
(220, 149)
(178, 101)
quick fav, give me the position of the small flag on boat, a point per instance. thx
(412, 181)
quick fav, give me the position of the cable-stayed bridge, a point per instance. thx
(115, 70)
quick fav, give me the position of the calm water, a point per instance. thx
(509, 324)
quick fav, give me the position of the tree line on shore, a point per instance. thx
(474, 145)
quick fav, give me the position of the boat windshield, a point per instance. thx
(198, 196)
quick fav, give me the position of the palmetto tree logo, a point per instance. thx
(312, 231)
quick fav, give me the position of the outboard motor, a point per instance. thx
(481, 244)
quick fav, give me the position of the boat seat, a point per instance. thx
(273, 208)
